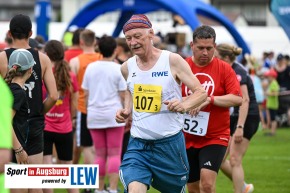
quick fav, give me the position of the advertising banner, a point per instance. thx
(281, 11)
(51, 176)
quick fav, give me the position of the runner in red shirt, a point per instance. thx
(75, 49)
(207, 133)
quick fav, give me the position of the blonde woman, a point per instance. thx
(244, 122)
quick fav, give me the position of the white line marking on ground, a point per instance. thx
(280, 158)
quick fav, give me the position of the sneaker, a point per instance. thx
(110, 191)
(249, 188)
(101, 191)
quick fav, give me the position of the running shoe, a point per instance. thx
(101, 191)
(249, 188)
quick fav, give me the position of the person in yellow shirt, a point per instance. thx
(5, 130)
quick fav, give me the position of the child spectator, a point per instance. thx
(272, 103)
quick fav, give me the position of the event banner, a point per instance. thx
(51, 176)
(281, 11)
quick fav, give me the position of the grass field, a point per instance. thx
(266, 165)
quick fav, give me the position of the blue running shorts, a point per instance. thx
(161, 163)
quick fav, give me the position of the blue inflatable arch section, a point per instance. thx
(187, 9)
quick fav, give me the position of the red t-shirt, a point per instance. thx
(58, 119)
(218, 78)
(71, 53)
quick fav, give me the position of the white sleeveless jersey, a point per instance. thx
(151, 119)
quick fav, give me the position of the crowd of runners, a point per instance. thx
(147, 116)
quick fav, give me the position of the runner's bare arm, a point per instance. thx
(73, 104)
(124, 113)
(86, 95)
(244, 108)
(122, 95)
(3, 64)
(74, 65)
(128, 103)
(20, 154)
(124, 70)
(229, 100)
(182, 73)
(49, 82)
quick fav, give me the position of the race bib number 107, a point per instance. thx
(147, 98)
(196, 125)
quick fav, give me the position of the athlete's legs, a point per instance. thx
(86, 141)
(18, 191)
(194, 170)
(193, 187)
(233, 168)
(114, 150)
(47, 159)
(268, 117)
(262, 117)
(273, 122)
(63, 150)
(35, 159)
(210, 159)
(108, 146)
(77, 148)
(207, 181)
(226, 166)
(65, 163)
(206, 184)
(274, 125)
(89, 154)
(237, 152)
(99, 141)
(203, 173)
(137, 187)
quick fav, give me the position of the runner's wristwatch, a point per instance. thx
(240, 126)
